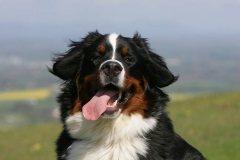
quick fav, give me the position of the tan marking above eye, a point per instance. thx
(101, 48)
(125, 50)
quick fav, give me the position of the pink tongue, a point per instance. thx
(98, 104)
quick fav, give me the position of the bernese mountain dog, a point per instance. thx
(112, 103)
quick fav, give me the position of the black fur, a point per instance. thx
(164, 143)
(80, 60)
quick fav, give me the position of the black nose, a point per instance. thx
(111, 69)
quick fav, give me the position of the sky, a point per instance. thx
(60, 20)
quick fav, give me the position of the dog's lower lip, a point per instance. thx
(112, 109)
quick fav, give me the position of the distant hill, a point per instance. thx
(205, 64)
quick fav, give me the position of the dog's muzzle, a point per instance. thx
(111, 69)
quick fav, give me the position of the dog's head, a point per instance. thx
(111, 74)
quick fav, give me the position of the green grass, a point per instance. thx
(211, 123)
(29, 143)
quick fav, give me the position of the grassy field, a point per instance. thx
(29, 143)
(211, 123)
(38, 94)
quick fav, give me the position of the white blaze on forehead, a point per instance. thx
(113, 41)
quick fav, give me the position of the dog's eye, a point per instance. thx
(96, 57)
(128, 60)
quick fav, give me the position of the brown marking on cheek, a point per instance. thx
(88, 78)
(83, 93)
(101, 48)
(77, 106)
(145, 82)
(77, 102)
(130, 81)
(138, 102)
(125, 50)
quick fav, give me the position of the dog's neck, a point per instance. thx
(123, 135)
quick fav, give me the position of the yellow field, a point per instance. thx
(44, 93)
(39, 94)
(180, 96)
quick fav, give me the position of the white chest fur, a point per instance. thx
(121, 138)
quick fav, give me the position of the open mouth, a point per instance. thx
(106, 102)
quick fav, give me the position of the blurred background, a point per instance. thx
(200, 41)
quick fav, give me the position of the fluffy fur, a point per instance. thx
(135, 126)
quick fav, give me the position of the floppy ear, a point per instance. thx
(67, 65)
(155, 69)
(158, 72)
